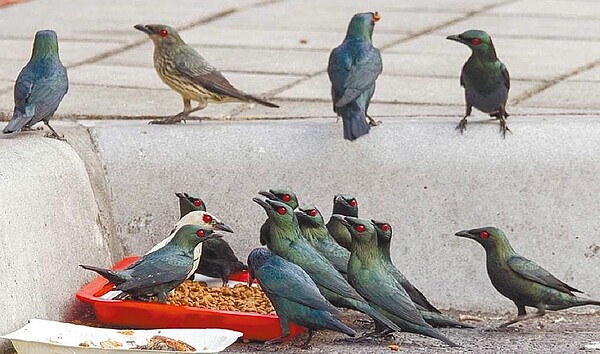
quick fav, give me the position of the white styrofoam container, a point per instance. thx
(50, 337)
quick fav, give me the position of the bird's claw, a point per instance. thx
(373, 122)
(462, 125)
(54, 136)
(504, 128)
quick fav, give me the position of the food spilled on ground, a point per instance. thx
(166, 344)
(240, 298)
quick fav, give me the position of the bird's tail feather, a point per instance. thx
(440, 320)
(341, 327)
(18, 121)
(437, 335)
(239, 266)
(262, 102)
(366, 309)
(354, 121)
(114, 276)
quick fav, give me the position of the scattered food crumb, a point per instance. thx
(245, 341)
(126, 332)
(111, 344)
(394, 347)
(303, 41)
(470, 318)
(84, 344)
(559, 320)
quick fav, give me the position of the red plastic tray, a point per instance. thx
(148, 315)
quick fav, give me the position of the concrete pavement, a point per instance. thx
(539, 184)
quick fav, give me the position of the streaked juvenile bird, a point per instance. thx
(521, 280)
(294, 296)
(185, 71)
(353, 68)
(283, 195)
(346, 205)
(484, 77)
(157, 273)
(40, 86)
(369, 276)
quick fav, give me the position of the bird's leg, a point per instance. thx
(372, 122)
(307, 342)
(162, 297)
(462, 125)
(54, 134)
(522, 315)
(187, 109)
(285, 331)
(503, 127)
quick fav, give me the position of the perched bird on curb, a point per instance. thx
(217, 259)
(294, 295)
(283, 195)
(521, 280)
(185, 71)
(346, 205)
(484, 77)
(40, 86)
(315, 232)
(432, 315)
(369, 276)
(159, 272)
(353, 68)
(287, 242)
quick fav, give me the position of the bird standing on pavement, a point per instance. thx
(157, 273)
(522, 280)
(353, 68)
(294, 295)
(181, 68)
(346, 205)
(40, 86)
(484, 77)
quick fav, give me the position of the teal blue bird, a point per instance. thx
(353, 68)
(158, 272)
(294, 295)
(283, 195)
(40, 86)
(346, 205)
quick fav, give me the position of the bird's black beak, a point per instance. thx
(182, 195)
(268, 194)
(143, 28)
(214, 235)
(223, 227)
(263, 204)
(342, 219)
(455, 38)
(300, 214)
(464, 233)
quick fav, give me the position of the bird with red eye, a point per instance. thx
(163, 33)
(313, 212)
(484, 234)
(188, 203)
(197, 202)
(476, 41)
(200, 233)
(207, 218)
(281, 211)
(346, 205)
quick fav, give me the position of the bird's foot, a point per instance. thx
(178, 118)
(54, 135)
(462, 125)
(373, 122)
(504, 128)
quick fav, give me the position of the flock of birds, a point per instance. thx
(310, 268)
(353, 69)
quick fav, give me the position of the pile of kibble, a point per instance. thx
(240, 298)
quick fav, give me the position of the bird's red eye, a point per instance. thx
(484, 235)
(286, 198)
(385, 227)
(163, 33)
(197, 202)
(200, 233)
(353, 203)
(207, 218)
(476, 41)
(281, 210)
(360, 228)
(313, 212)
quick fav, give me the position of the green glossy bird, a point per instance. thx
(521, 280)
(370, 277)
(40, 86)
(283, 195)
(294, 296)
(346, 205)
(286, 241)
(484, 77)
(159, 272)
(432, 315)
(315, 232)
(185, 71)
(189, 203)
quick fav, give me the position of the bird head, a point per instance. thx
(283, 195)
(189, 236)
(479, 41)
(278, 212)
(189, 203)
(384, 232)
(256, 259)
(45, 44)
(309, 215)
(362, 25)
(205, 219)
(345, 204)
(361, 230)
(160, 34)
(489, 237)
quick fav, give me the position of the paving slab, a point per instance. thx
(552, 8)
(442, 182)
(568, 94)
(588, 75)
(406, 5)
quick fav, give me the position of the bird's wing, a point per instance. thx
(47, 92)
(378, 288)
(163, 266)
(200, 72)
(362, 75)
(285, 279)
(505, 75)
(531, 271)
(340, 63)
